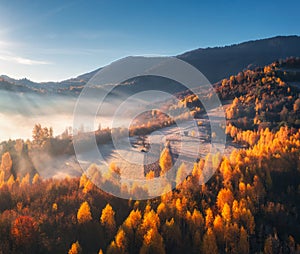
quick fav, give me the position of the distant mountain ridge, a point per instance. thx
(220, 62)
(215, 63)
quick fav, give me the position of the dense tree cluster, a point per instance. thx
(237, 211)
(264, 97)
(250, 205)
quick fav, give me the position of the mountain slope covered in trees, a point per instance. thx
(250, 205)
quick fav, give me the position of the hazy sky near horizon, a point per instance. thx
(56, 40)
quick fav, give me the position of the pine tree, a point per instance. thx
(219, 228)
(224, 196)
(171, 235)
(150, 221)
(153, 243)
(226, 170)
(226, 213)
(181, 174)
(121, 241)
(36, 179)
(107, 219)
(243, 245)
(209, 218)
(25, 180)
(6, 164)
(133, 220)
(11, 181)
(75, 248)
(165, 161)
(210, 243)
(84, 214)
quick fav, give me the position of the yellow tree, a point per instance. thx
(235, 210)
(36, 179)
(231, 237)
(226, 213)
(219, 228)
(119, 245)
(10, 181)
(6, 164)
(224, 196)
(180, 205)
(121, 241)
(210, 243)
(209, 218)
(75, 248)
(242, 189)
(150, 220)
(107, 220)
(83, 180)
(150, 175)
(130, 226)
(114, 170)
(248, 219)
(243, 245)
(226, 171)
(181, 174)
(84, 214)
(1, 178)
(112, 248)
(196, 221)
(133, 220)
(88, 187)
(165, 161)
(162, 211)
(25, 180)
(153, 243)
(171, 235)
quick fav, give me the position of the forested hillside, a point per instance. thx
(250, 205)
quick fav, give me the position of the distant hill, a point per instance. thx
(9, 85)
(220, 62)
(215, 63)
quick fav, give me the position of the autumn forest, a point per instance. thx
(251, 204)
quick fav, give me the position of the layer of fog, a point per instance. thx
(19, 113)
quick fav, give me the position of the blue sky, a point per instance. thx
(55, 40)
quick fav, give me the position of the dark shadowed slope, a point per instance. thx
(220, 62)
